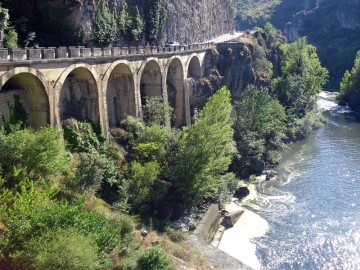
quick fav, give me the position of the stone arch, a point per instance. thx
(30, 86)
(175, 79)
(119, 86)
(150, 79)
(194, 67)
(77, 94)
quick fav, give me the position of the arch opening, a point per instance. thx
(79, 97)
(120, 95)
(175, 91)
(150, 82)
(194, 69)
(25, 90)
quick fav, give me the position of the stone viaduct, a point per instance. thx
(97, 84)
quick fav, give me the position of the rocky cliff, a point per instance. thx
(236, 65)
(61, 22)
(333, 26)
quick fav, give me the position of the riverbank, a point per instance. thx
(237, 240)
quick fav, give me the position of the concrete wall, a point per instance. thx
(89, 86)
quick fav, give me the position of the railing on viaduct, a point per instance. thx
(20, 54)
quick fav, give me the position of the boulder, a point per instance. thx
(231, 218)
(270, 175)
(258, 166)
(144, 233)
(241, 192)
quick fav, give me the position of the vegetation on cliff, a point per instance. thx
(350, 86)
(332, 26)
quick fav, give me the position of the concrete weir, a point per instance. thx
(199, 239)
(102, 85)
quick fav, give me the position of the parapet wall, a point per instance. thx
(21, 54)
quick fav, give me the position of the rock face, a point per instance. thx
(232, 65)
(188, 21)
(333, 27)
(192, 21)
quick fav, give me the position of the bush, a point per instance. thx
(36, 153)
(30, 210)
(59, 249)
(93, 171)
(161, 138)
(227, 185)
(141, 180)
(154, 259)
(175, 235)
(154, 110)
(81, 136)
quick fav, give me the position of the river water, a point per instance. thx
(313, 206)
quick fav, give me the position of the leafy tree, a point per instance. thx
(104, 26)
(205, 150)
(131, 24)
(11, 38)
(260, 124)
(302, 78)
(350, 85)
(155, 18)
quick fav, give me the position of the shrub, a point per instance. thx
(81, 136)
(175, 235)
(154, 110)
(161, 138)
(36, 153)
(227, 185)
(142, 178)
(30, 210)
(154, 259)
(59, 249)
(94, 170)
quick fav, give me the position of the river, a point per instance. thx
(313, 205)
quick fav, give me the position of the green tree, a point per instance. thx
(350, 85)
(131, 24)
(260, 126)
(104, 26)
(302, 78)
(205, 150)
(8, 34)
(155, 18)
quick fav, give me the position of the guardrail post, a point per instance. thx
(85, 52)
(4, 53)
(61, 52)
(96, 52)
(17, 54)
(115, 51)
